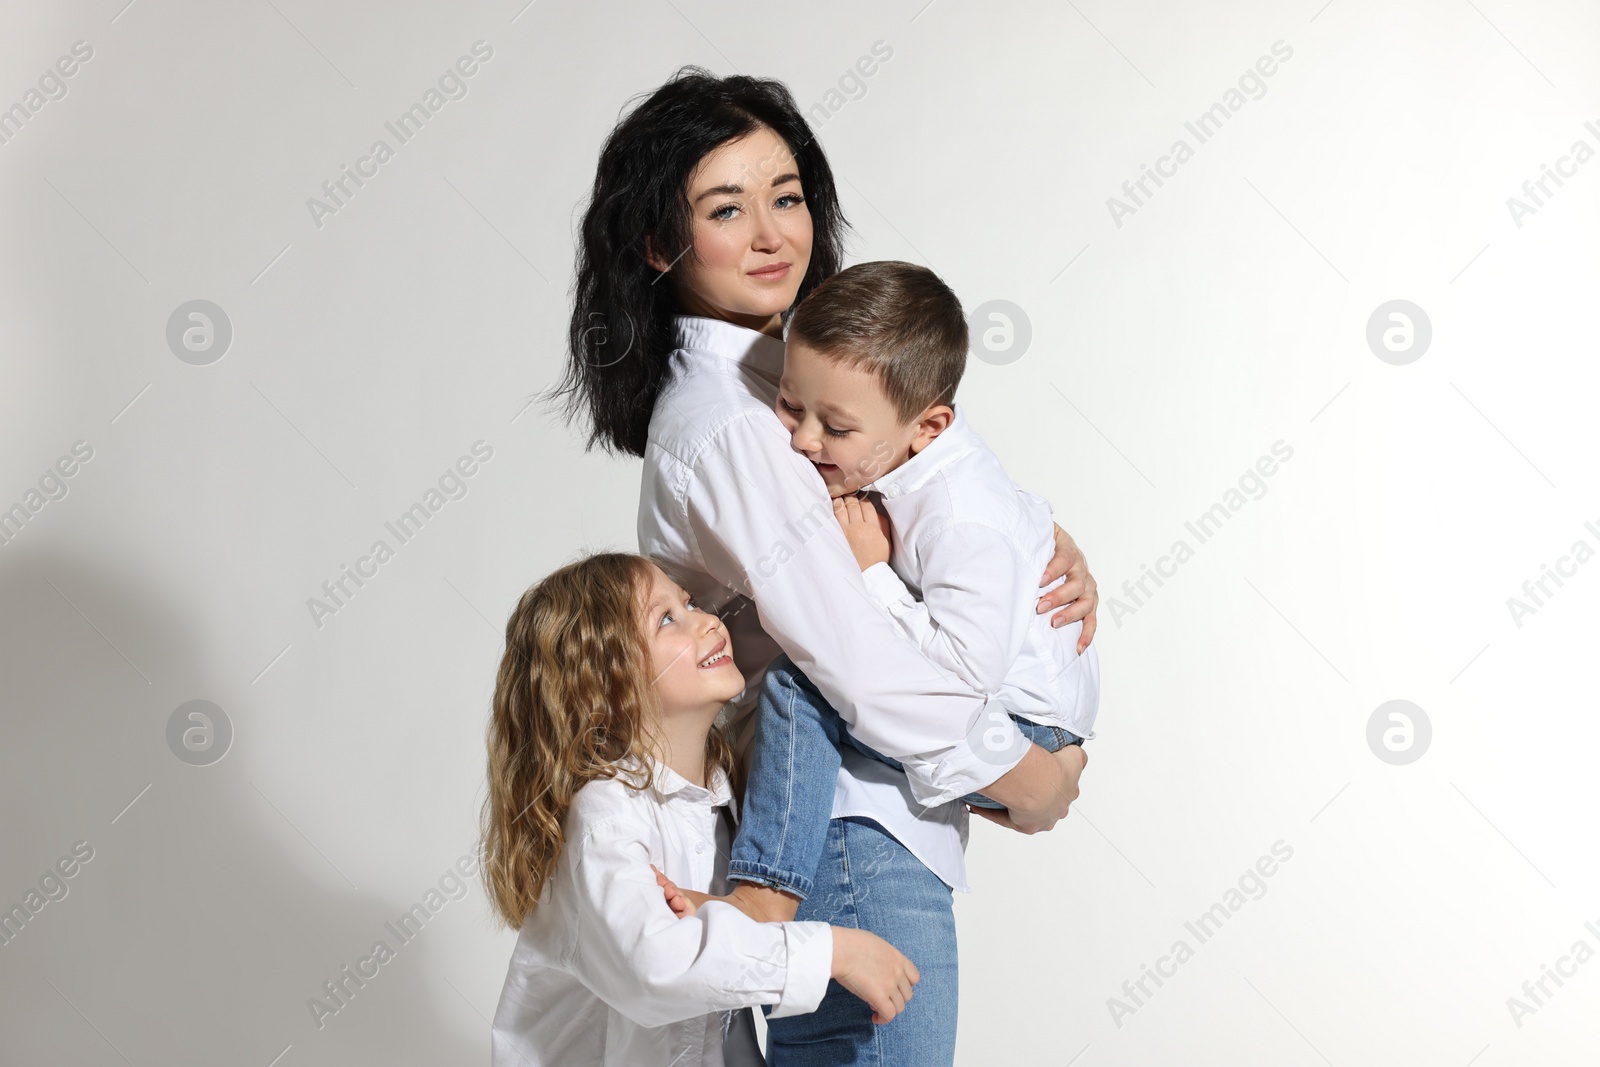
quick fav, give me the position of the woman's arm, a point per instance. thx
(763, 525)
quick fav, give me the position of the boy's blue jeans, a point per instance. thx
(794, 762)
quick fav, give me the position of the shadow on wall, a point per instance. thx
(194, 925)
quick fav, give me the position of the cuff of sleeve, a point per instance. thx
(810, 946)
(884, 585)
(992, 747)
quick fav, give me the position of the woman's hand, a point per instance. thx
(873, 970)
(1077, 597)
(1072, 760)
(867, 530)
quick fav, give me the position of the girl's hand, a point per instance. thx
(865, 527)
(681, 905)
(1077, 596)
(873, 970)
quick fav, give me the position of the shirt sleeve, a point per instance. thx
(976, 607)
(764, 525)
(655, 968)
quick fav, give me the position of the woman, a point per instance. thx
(713, 213)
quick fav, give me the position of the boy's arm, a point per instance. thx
(977, 602)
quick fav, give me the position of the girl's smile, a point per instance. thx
(719, 658)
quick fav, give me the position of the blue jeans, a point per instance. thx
(867, 880)
(793, 765)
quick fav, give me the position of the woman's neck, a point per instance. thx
(692, 304)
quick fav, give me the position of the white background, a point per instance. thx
(1227, 313)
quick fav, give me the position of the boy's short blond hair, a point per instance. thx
(896, 320)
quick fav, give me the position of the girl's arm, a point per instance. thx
(634, 954)
(863, 962)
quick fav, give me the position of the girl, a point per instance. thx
(606, 774)
(713, 211)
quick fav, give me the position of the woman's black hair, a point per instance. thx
(621, 333)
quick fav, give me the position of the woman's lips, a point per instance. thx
(771, 274)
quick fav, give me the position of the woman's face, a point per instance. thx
(750, 233)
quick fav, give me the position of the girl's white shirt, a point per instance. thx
(605, 974)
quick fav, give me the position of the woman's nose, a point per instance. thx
(767, 237)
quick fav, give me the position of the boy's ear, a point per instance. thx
(930, 424)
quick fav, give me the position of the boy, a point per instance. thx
(872, 360)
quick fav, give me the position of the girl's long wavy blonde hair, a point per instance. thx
(573, 702)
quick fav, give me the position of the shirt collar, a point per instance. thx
(955, 442)
(741, 344)
(669, 782)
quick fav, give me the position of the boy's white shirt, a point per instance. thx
(604, 973)
(744, 523)
(968, 546)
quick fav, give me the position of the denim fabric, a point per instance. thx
(869, 881)
(789, 792)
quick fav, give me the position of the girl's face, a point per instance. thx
(750, 233)
(691, 654)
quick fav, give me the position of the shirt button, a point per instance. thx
(892, 491)
(701, 847)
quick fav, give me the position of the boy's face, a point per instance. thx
(839, 418)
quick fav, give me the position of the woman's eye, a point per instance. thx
(718, 213)
(795, 197)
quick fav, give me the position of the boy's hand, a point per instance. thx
(873, 970)
(865, 527)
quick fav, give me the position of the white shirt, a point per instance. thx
(605, 974)
(968, 546)
(737, 516)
